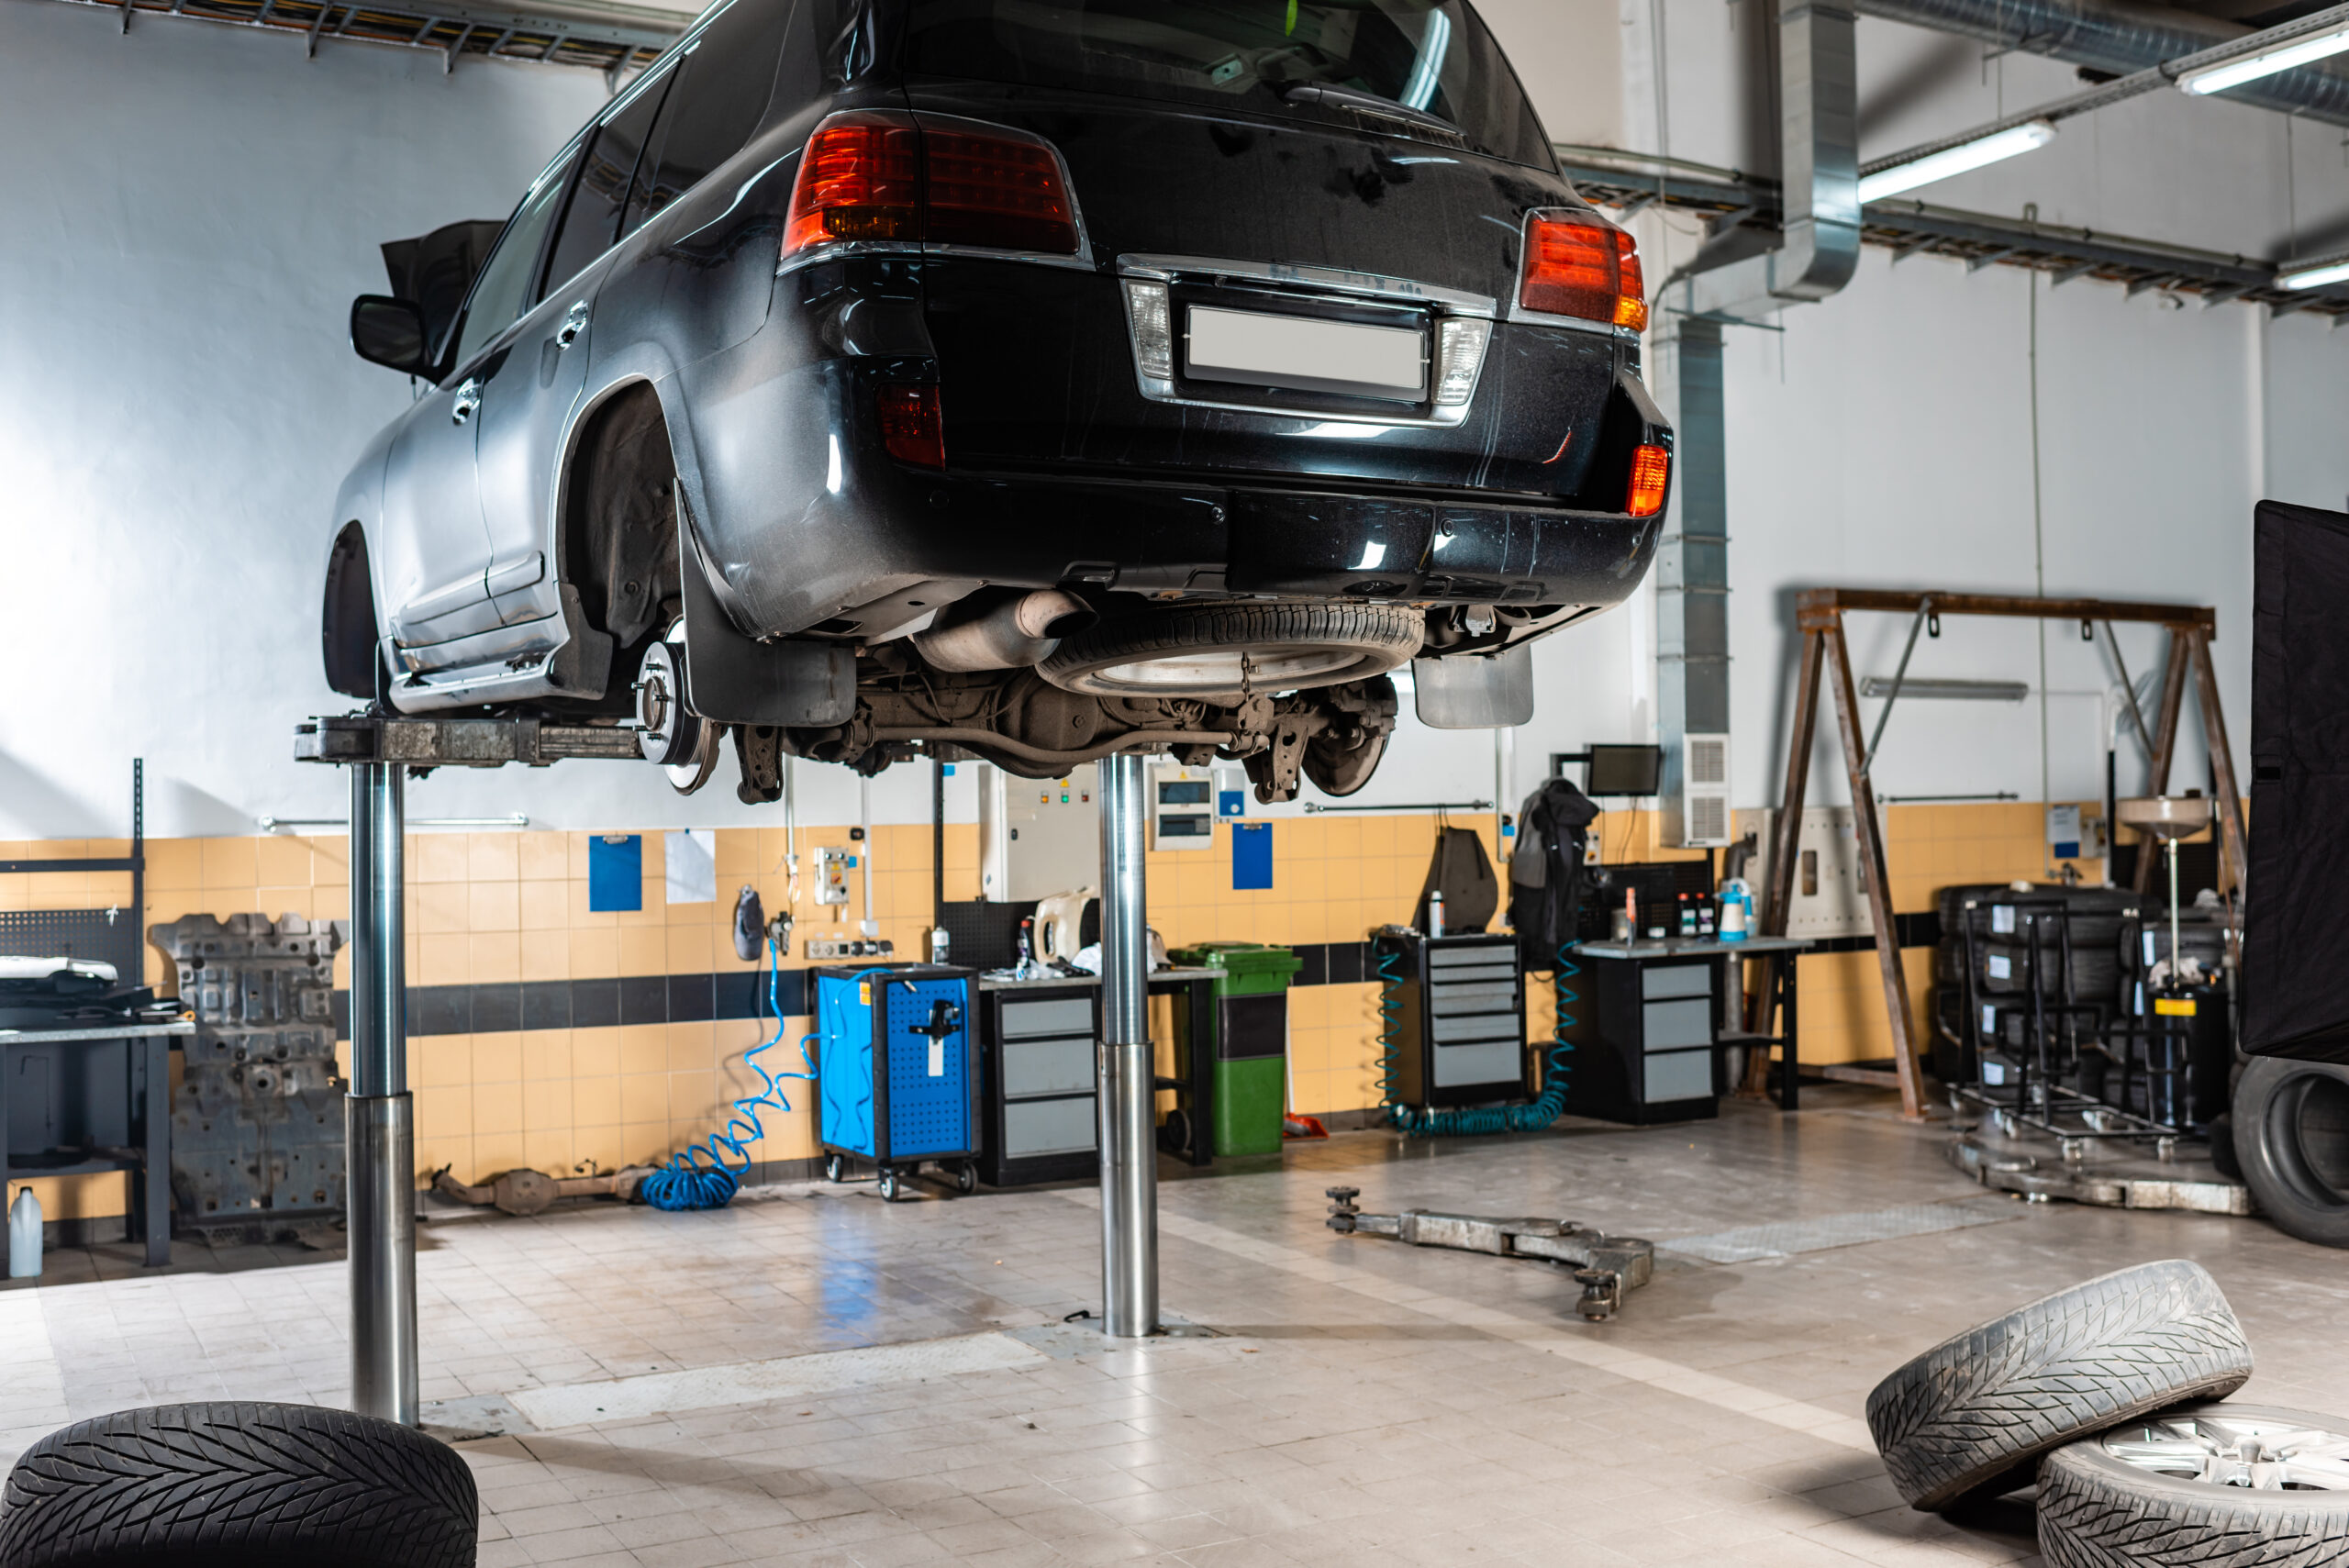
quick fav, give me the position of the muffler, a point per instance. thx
(1012, 635)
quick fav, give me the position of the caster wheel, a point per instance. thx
(966, 1179)
(888, 1186)
(834, 1168)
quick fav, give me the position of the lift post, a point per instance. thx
(1126, 1084)
(379, 1119)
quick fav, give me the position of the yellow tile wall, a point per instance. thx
(513, 906)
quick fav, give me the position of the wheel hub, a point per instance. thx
(2246, 1450)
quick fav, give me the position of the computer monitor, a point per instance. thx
(1625, 770)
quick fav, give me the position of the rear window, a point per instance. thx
(1389, 65)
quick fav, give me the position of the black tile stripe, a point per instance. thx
(743, 993)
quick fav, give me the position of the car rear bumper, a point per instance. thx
(808, 525)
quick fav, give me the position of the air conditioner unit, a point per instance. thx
(1696, 793)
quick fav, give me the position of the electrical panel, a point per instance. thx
(1696, 794)
(1182, 807)
(1828, 894)
(832, 867)
(1038, 837)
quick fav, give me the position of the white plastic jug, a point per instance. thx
(23, 1235)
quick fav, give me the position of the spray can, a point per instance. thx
(1435, 912)
(23, 1235)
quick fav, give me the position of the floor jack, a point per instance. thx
(1605, 1266)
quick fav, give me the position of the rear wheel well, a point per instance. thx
(347, 620)
(619, 545)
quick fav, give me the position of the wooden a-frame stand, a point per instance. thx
(1819, 616)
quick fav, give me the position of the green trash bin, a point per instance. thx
(1250, 1040)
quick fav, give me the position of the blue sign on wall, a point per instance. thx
(615, 871)
(1252, 856)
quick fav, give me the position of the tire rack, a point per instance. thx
(1818, 617)
(381, 750)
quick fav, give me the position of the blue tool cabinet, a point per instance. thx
(897, 1071)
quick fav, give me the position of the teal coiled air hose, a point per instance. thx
(1420, 1121)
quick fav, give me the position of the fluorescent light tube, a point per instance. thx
(2008, 143)
(2314, 274)
(2251, 67)
(1945, 689)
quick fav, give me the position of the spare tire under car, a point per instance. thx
(239, 1486)
(1216, 648)
(2291, 1124)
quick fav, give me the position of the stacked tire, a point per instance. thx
(2106, 1394)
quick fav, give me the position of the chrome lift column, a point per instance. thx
(378, 1118)
(1126, 1080)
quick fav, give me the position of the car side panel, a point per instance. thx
(432, 552)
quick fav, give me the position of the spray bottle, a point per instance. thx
(23, 1235)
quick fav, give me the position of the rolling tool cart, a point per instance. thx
(898, 1079)
(1461, 1036)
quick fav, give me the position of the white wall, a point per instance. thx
(192, 206)
(1884, 438)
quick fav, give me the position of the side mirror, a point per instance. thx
(387, 331)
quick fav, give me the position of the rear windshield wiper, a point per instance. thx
(1368, 103)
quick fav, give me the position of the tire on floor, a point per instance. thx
(1972, 1415)
(2099, 1508)
(255, 1485)
(2291, 1125)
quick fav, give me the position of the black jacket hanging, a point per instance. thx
(1546, 880)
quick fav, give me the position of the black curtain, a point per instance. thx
(2296, 914)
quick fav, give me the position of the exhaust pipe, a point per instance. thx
(1013, 635)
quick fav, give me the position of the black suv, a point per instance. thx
(1026, 380)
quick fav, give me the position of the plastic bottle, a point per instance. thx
(23, 1235)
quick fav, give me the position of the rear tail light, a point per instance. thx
(1578, 265)
(859, 179)
(874, 175)
(1000, 191)
(1651, 473)
(911, 429)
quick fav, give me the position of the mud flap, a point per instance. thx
(1475, 691)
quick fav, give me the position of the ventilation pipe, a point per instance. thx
(1820, 250)
(2121, 39)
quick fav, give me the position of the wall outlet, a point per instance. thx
(855, 947)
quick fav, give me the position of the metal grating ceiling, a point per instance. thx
(598, 33)
(1729, 198)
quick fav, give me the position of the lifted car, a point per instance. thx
(1030, 382)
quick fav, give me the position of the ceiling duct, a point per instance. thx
(2119, 39)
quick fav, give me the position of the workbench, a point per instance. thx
(1658, 1017)
(100, 1130)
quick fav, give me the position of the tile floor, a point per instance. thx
(1361, 1402)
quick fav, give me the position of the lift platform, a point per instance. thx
(381, 749)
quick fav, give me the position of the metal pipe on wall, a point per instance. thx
(1126, 1083)
(2119, 39)
(378, 1116)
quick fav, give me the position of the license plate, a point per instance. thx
(1305, 354)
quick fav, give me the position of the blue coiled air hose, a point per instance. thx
(684, 1182)
(1418, 1121)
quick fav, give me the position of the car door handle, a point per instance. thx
(574, 322)
(467, 398)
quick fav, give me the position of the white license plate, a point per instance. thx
(1306, 353)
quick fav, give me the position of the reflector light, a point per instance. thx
(875, 175)
(911, 430)
(859, 179)
(1651, 471)
(1460, 354)
(1577, 264)
(1153, 328)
